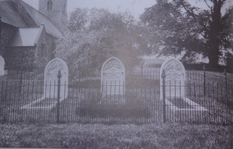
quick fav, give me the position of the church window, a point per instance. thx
(49, 5)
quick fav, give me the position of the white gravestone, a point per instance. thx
(174, 80)
(2, 64)
(113, 77)
(51, 79)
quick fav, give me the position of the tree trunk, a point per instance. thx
(230, 63)
(213, 60)
(214, 34)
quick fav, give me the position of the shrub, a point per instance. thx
(127, 106)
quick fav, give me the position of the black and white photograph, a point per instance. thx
(116, 74)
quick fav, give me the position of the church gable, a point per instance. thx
(40, 18)
(26, 37)
(27, 52)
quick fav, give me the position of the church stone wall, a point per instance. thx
(42, 50)
(17, 57)
(7, 34)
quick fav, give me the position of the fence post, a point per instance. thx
(225, 74)
(21, 81)
(141, 71)
(1, 52)
(58, 93)
(204, 80)
(164, 103)
(79, 75)
(79, 80)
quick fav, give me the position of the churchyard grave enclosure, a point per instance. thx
(167, 94)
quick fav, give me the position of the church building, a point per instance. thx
(28, 36)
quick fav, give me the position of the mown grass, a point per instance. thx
(116, 136)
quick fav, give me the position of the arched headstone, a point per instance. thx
(2, 64)
(51, 79)
(113, 77)
(174, 81)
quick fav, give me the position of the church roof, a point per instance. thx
(10, 15)
(27, 36)
(39, 19)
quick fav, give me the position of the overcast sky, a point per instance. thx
(136, 7)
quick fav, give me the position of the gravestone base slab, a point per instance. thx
(42, 103)
(192, 106)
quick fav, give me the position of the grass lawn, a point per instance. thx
(116, 136)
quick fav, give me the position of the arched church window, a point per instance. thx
(49, 5)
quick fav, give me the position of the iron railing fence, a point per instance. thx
(208, 76)
(154, 74)
(22, 74)
(37, 101)
(209, 104)
(145, 73)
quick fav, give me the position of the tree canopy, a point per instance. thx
(170, 27)
(95, 35)
(182, 28)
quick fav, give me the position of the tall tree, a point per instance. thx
(216, 28)
(181, 27)
(95, 35)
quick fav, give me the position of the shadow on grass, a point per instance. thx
(127, 106)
